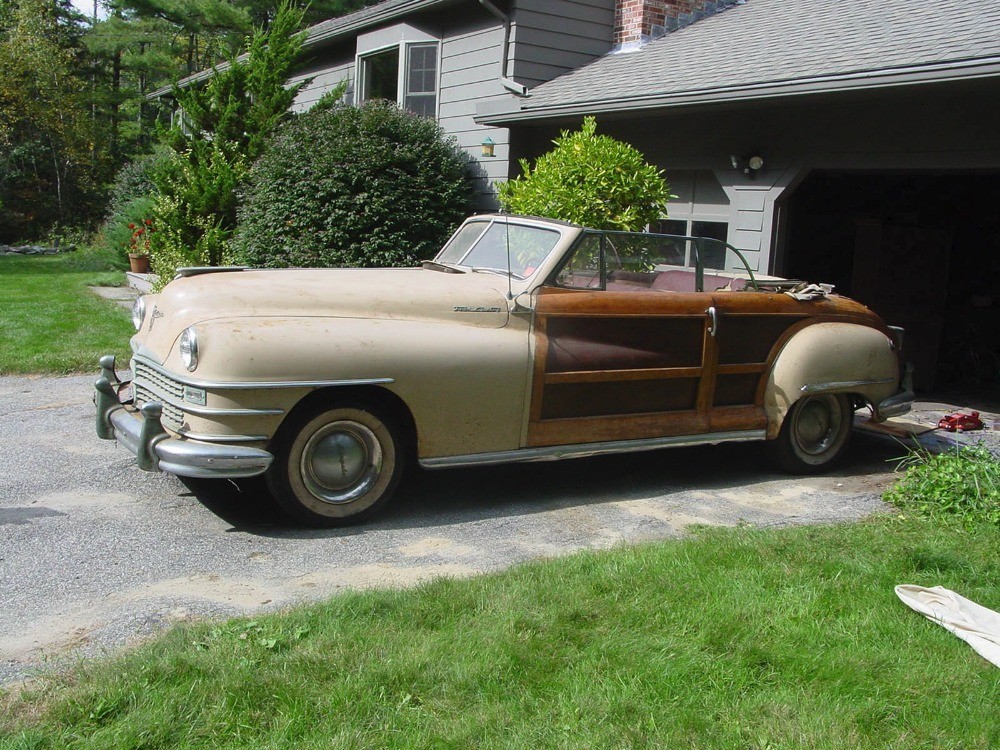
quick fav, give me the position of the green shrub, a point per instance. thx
(130, 201)
(963, 485)
(115, 233)
(361, 186)
(192, 212)
(592, 180)
(134, 180)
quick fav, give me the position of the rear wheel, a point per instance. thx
(336, 465)
(814, 433)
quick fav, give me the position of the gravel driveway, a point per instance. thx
(95, 553)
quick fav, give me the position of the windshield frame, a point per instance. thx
(508, 267)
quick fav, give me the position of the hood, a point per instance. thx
(474, 299)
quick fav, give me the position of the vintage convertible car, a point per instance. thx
(525, 339)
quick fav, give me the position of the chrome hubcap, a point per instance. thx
(341, 462)
(817, 425)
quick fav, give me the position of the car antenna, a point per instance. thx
(506, 224)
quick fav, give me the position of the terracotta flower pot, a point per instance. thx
(139, 263)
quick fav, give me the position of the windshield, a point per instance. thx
(499, 246)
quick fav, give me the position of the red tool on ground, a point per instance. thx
(959, 422)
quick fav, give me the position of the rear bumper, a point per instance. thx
(899, 403)
(142, 433)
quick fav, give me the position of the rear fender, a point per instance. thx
(832, 357)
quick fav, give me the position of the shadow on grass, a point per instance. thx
(427, 499)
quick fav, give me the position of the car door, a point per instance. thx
(617, 358)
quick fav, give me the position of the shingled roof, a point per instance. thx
(365, 18)
(770, 48)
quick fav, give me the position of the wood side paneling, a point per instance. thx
(643, 426)
(614, 365)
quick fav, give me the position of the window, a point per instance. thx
(413, 86)
(380, 76)
(421, 79)
(499, 247)
(609, 259)
(713, 253)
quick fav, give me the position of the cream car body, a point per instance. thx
(531, 356)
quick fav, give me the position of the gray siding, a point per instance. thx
(548, 38)
(552, 37)
(470, 73)
(326, 73)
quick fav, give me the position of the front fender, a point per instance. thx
(464, 386)
(831, 357)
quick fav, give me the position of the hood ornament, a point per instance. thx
(155, 314)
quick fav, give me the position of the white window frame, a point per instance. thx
(689, 220)
(401, 37)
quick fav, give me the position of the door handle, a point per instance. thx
(713, 326)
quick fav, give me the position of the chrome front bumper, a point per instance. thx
(142, 433)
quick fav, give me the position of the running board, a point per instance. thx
(583, 450)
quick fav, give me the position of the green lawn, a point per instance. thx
(51, 323)
(733, 638)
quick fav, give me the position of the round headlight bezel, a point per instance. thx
(188, 346)
(139, 313)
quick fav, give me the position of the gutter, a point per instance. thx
(505, 81)
(857, 81)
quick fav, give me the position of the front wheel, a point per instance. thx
(814, 433)
(336, 465)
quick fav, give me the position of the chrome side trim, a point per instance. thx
(225, 385)
(843, 384)
(583, 450)
(222, 438)
(208, 411)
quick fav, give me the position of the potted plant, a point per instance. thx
(138, 246)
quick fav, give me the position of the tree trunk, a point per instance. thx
(116, 84)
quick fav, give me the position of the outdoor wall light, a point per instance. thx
(749, 164)
(489, 147)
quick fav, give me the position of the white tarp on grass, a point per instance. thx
(973, 623)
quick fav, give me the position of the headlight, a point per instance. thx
(138, 312)
(189, 349)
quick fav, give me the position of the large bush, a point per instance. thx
(592, 180)
(360, 186)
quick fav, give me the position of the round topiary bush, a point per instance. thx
(367, 186)
(592, 180)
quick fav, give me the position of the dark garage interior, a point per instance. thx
(922, 250)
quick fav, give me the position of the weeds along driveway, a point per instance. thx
(95, 553)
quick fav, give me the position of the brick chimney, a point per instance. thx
(640, 21)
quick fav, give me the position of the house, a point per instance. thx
(854, 142)
(443, 58)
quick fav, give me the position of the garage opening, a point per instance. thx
(922, 250)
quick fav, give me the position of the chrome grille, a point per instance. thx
(151, 385)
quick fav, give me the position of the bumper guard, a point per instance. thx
(142, 433)
(900, 402)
